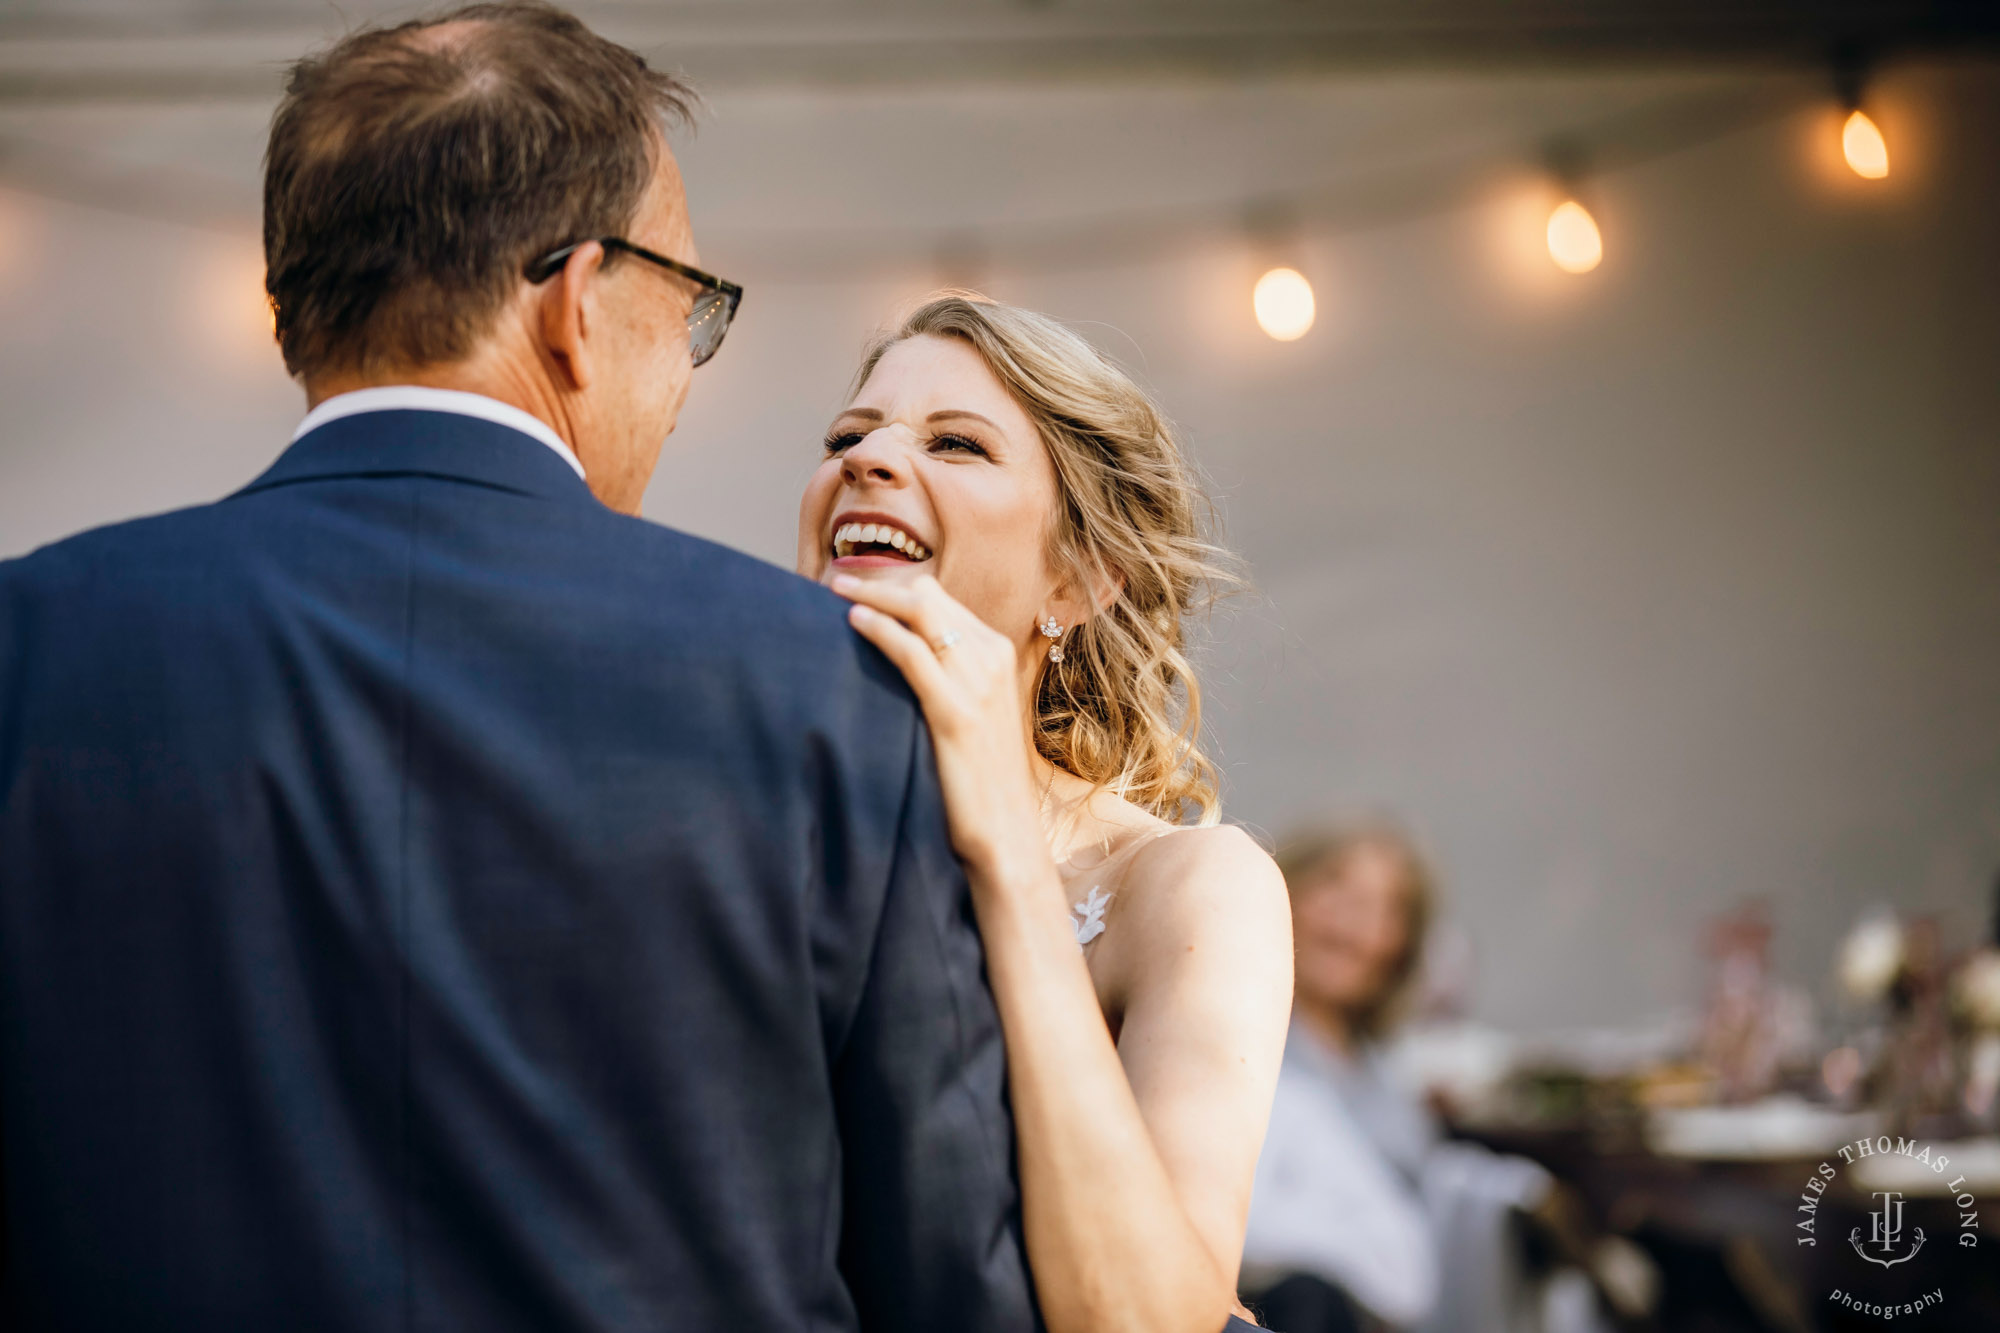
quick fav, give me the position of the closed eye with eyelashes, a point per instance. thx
(945, 441)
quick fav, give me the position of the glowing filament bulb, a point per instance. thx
(1283, 301)
(1862, 143)
(1573, 240)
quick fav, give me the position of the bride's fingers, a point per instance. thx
(978, 660)
(911, 653)
(923, 605)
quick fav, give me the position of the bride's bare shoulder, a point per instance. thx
(1208, 890)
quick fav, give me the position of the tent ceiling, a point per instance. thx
(177, 49)
(1031, 132)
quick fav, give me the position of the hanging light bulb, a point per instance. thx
(1574, 242)
(1283, 301)
(1864, 147)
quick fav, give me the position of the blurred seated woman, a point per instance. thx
(1338, 1237)
(1364, 1216)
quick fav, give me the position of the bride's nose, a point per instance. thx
(880, 456)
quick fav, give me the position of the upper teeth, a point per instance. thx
(850, 535)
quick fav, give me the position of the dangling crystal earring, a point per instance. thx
(1052, 630)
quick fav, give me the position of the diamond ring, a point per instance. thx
(950, 637)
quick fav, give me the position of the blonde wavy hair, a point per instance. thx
(1122, 710)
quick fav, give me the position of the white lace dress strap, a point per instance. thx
(1088, 915)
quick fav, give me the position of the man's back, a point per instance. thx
(428, 899)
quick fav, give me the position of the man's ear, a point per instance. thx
(567, 304)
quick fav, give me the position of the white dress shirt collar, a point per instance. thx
(419, 398)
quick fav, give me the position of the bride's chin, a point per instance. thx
(875, 567)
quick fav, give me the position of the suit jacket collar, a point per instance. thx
(408, 442)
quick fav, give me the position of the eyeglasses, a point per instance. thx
(714, 303)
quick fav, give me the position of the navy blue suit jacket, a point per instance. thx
(430, 900)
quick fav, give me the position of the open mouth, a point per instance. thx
(877, 540)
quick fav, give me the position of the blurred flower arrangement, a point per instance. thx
(1976, 1004)
(1928, 1046)
(1754, 1027)
(1871, 958)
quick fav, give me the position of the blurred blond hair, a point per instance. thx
(1122, 710)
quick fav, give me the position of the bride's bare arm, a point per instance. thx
(1136, 1165)
(1206, 943)
(1136, 1158)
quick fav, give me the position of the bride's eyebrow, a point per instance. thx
(872, 414)
(959, 414)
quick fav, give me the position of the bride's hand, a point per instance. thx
(967, 677)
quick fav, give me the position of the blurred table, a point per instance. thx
(1717, 1210)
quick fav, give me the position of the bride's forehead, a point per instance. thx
(925, 374)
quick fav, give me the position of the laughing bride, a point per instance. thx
(1019, 533)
